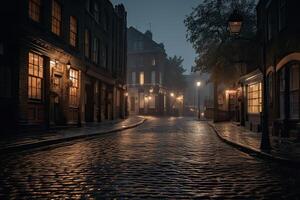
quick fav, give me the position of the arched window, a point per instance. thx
(289, 84)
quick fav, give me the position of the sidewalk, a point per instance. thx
(26, 141)
(285, 151)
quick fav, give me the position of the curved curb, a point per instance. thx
(62, 140)
(254, 152)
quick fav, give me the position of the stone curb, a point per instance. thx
(253, 151)
(67, 139)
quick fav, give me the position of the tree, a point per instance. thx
(207, 31)
(174, 79)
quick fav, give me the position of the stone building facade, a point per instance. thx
(279, 28)
(62, 63)
(146, 67)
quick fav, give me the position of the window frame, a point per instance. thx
(252, 97)
(73, 34)
(95, 50)
(39, 68)
(74, 77)
(56, 21)
(292, 91)
(87, 43)
(34, 16)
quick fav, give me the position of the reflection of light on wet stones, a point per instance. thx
(164, 158)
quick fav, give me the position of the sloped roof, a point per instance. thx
(137, 35)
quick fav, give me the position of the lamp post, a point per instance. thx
(198, 91)
(235, 23)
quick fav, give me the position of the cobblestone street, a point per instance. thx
(163, 158)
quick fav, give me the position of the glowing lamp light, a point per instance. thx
(172, 94)
(126, 94)
(150, 98)
(198, 83)
(151, 90)
(68, 65)
(230, 92)
(235, 23)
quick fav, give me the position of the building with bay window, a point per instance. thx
(62, 62)
(278, 26)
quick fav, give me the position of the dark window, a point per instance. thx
(282, 14)
(104, 54)
(96, 12)
(95, 52)
(281, 93)
(73, 31)
(269, 25)
(56, 18)
(294, 91)
(34, 10)
(5, 82)
(87, 43)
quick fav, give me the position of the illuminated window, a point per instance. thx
(35, 76)
(56, 17)
(142, 80)
(254, 98)
(294, 91)
(87, 43)
(34, 10)
(73, 31)
(95, 52)
(74, 89)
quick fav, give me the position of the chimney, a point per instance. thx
(148, 34)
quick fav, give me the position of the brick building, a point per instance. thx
(146, 66)
(63, 62)
(278, 26)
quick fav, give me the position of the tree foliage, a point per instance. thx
(207, 30)
(174, 78)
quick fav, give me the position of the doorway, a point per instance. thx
(89, 103)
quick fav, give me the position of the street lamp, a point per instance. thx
(235, 23)
(172, 94)
(198, 91)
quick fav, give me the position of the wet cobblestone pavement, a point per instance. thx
(163, 158)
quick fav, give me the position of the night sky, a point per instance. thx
(166, 18)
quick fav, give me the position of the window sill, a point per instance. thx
(35, 101)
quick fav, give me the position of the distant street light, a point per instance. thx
(198, 91)
(172, 94)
